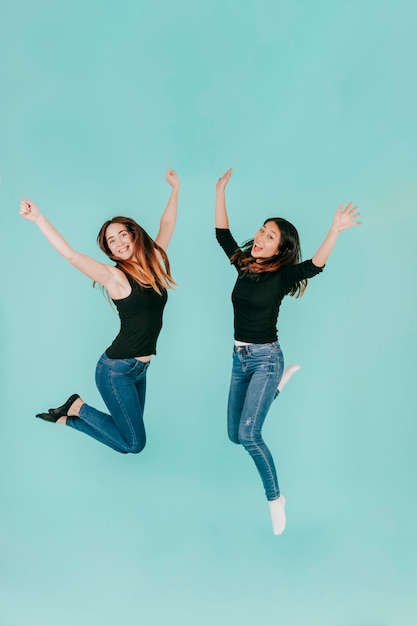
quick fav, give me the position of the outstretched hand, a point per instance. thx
(345, 217)
(223, 180)
(29, 210)
(172, 179)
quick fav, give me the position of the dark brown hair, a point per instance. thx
(144, 266)
(289, 253)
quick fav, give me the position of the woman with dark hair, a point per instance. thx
(269, 267)
(137, 284)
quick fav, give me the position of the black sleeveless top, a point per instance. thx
(140, 322)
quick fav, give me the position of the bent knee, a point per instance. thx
(249, 442)
(234, 438)
(135, 448)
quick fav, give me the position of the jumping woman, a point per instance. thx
(137, 284)
(269, 267)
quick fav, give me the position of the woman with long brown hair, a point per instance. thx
(137, 284)
(269, 267)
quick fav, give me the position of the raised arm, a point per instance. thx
(169, 216)
(102, 273)
(221, 219)
(343, 219)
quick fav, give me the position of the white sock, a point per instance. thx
(286, 375)
(276, 508)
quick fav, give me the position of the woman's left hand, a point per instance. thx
(345, 218)
(172, 179)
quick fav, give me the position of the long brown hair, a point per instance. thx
(144, 266)
(289, 253)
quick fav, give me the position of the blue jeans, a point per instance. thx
(122, 384)
(257, 370)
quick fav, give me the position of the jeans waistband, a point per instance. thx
(251, 347)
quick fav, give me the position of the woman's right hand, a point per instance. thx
(221, 219)
(223, 180)
(29, 210)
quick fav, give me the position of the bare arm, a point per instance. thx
(343, 219)
(106, 275)
(221, 219)
(169, 216)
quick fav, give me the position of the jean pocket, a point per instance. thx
(141, 366)
(123, 367)
(261, 353)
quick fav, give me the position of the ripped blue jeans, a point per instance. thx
(122, 384)
(256, 373)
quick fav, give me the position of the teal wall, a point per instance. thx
(313, 104)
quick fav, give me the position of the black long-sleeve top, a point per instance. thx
(256, 299)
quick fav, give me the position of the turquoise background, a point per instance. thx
(313, 104)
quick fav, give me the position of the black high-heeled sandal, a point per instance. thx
(47, 417)
(62, 411)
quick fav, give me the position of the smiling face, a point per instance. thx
(119, 241)
(266, 241)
